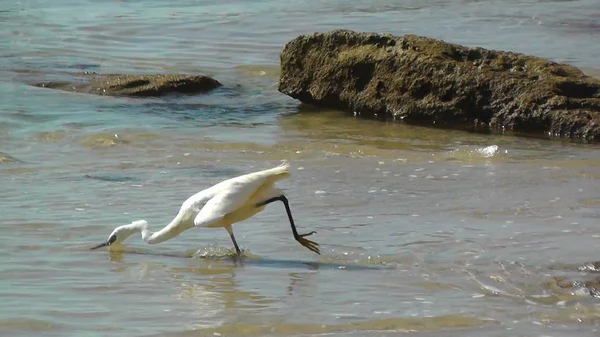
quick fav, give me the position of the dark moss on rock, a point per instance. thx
(136, 85)
(423, 81)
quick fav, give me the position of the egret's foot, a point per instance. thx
(307, 234)
(235, 253)
(313, 246)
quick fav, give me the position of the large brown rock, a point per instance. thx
(136, 85)
(423, 81)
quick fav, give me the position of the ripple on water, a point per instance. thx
(579, 314)
(30, 325)
(31, 117)
(19, 170)
(50, 136)
(113, 177)
(35, 227)
(475, 153)
(7, 158)
(118, 138)
(397, 325)
(105, 140)
(252, 71)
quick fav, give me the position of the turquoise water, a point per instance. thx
(441, 233)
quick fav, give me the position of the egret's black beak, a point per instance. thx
(100, 245)
(108, 242)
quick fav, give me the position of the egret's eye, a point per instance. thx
(112, 239)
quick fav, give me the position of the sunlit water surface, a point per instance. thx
(438, 233)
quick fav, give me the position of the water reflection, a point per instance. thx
(213, 285)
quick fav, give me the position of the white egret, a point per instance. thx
(221, 205)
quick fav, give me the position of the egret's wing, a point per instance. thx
(229, 199)
(210, 213)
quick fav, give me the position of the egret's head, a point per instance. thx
(121, 233)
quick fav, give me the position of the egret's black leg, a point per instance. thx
(237, 248)
(313, 246)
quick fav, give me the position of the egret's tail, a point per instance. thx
(281, 171)
(273, 174)
(284, 165)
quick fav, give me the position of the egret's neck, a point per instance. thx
(168, 232)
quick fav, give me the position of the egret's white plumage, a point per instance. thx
(221, 205)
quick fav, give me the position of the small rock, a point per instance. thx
(137, 85)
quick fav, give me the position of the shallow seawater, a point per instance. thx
(423, 231)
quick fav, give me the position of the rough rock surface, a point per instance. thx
(136, 85)
(423, 81)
